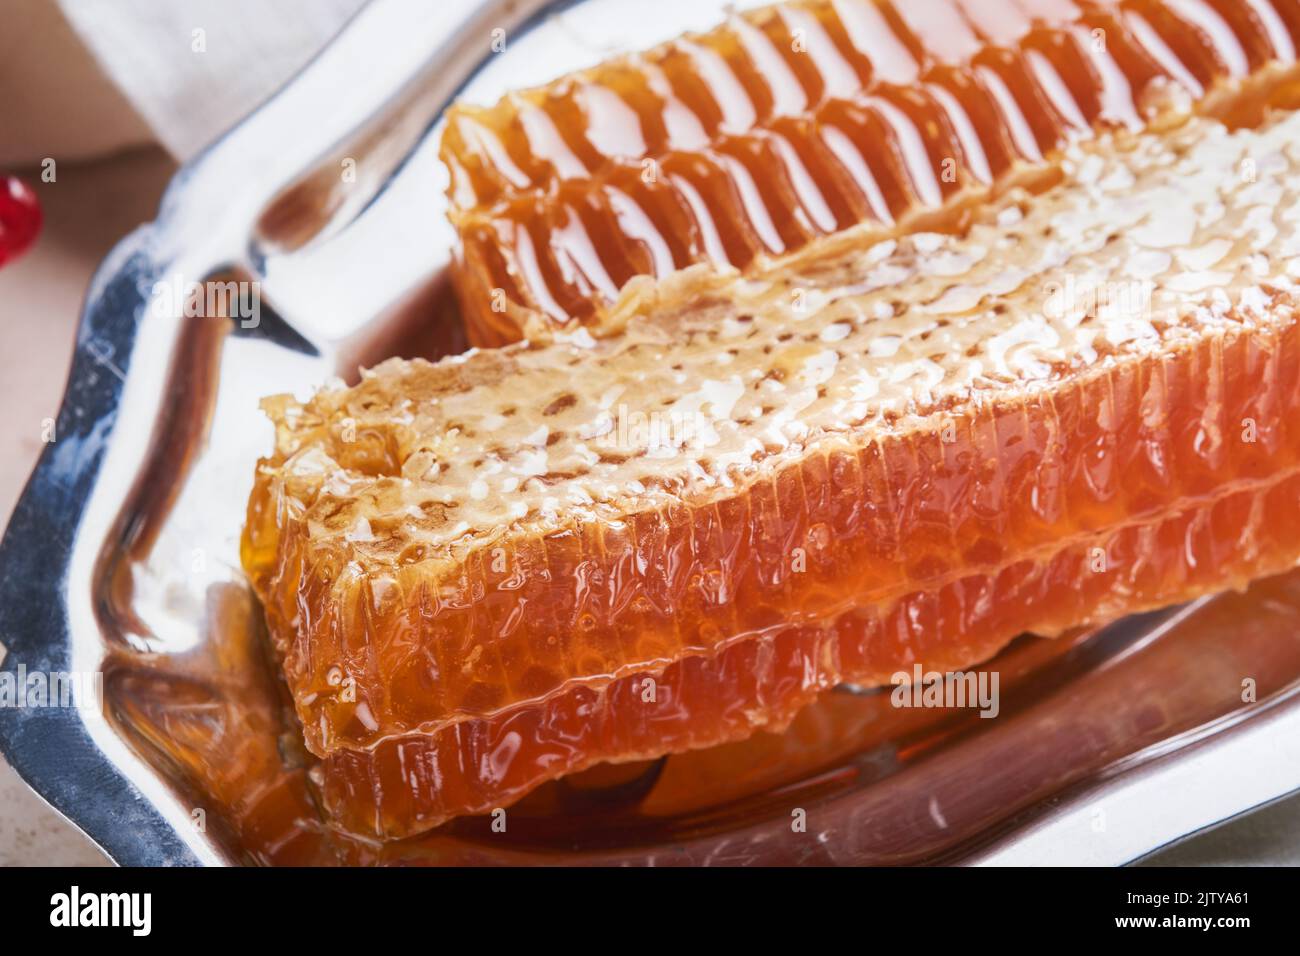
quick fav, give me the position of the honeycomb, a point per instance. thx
(798, 121)
(871, 454)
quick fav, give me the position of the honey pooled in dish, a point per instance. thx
(871, 454)
(801, 120)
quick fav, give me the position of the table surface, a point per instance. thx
(87, 210)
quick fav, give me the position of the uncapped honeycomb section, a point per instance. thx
(801, 120)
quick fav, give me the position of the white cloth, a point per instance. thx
(193, 68)
(55, 102)
(189, 69)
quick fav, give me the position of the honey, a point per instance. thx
(211, 722)
(801, 120)
(405, 784)
(882, 451)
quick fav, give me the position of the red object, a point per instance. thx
(20, 218)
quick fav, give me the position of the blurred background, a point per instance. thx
(100, 101)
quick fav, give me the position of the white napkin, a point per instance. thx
(193, 68)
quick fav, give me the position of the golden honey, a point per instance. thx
(801, 120)
(881, 452)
